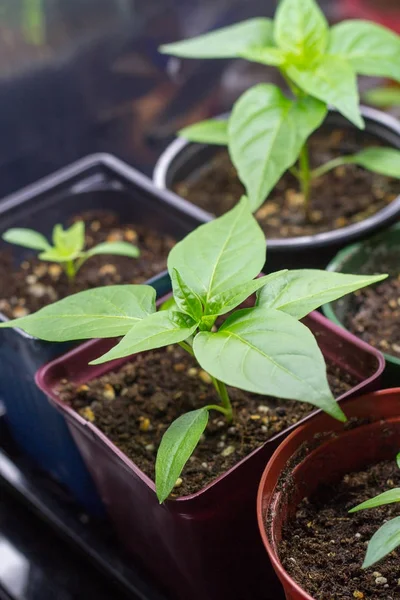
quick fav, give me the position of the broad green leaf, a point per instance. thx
(221, 254)
(176, 447)
(388, 497)
(268, 352)
(332, 80)
(383, 97)
(301, 29)
(264, 55)
(69, 242)
(213, 131)
(227, 42)
(385, 161)
(115, 248)
(28, 238)
(54, 255)
(370, 48)
(384, 541)
(187, 301)
(300, 291)
(266, 133)
(225, 301)
(169, 304)
(155, 331)
(103, 312)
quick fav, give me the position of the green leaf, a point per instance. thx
(332, 80)
(266, 132)
(388, 497)
(370, 48)
(221, 254)
(98, 313)
(264, 55)
(227, 42)
(54, 255)
(301, 29)
(69, 242)
(155, 331)
(28, 238)
(177, 445)
(213, 131)
(187, 301)
(398, 460)
(115, 248)
(385, 161)
(268, 352)
(300, 291)
(383, 97)
(169, 304)
(226, 301)
(384, 541)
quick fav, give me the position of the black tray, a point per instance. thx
(92, 539)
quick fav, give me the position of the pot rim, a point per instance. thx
(264, 507)
(336, 265)
(327, 238)
(129, 464)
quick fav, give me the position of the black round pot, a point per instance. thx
(181, 159)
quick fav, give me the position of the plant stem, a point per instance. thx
(70, 270)
(331, 164)
(224, 396)
(305, 179)
(187, 347)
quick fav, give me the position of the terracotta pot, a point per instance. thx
(206, 545)
(334, 455)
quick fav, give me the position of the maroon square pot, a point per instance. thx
(206, 545)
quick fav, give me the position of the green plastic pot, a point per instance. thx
(366, 258)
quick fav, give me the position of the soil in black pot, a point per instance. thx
(27, 287)
(346, 195)
(323, 548)
(135, 406)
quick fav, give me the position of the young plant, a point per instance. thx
(387, 538)
(267, 132)
(68, 246)
(264, 349)
(383, 97)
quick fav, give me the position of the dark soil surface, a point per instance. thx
(36, 283)
(374, 316)
(135, 405)
(344, 196)
(324, 548)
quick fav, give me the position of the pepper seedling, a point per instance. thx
(264, 349)
(68, 246)
(267, 132)
(387, 538)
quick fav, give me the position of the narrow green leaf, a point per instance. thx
(99, 313)
(221, 254)
(115, 248)
(383, 97)
(370, 48)
(385, 161)
(154, 331)
(332, 80)
(384, 541)
(226, 301)
(398, 460)
(264, 55)
(227, 42)
(268, 352)
(300, 291)
(266, 133)
(187, 301)
(69, 242)
(388, 497)
(213, 131)
(177, 446)
(28, 238)
(301, 29)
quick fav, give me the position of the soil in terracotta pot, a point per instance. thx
(324, 547)
(374, 315)
(135, 406)
(344, 196)
(33, 284)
